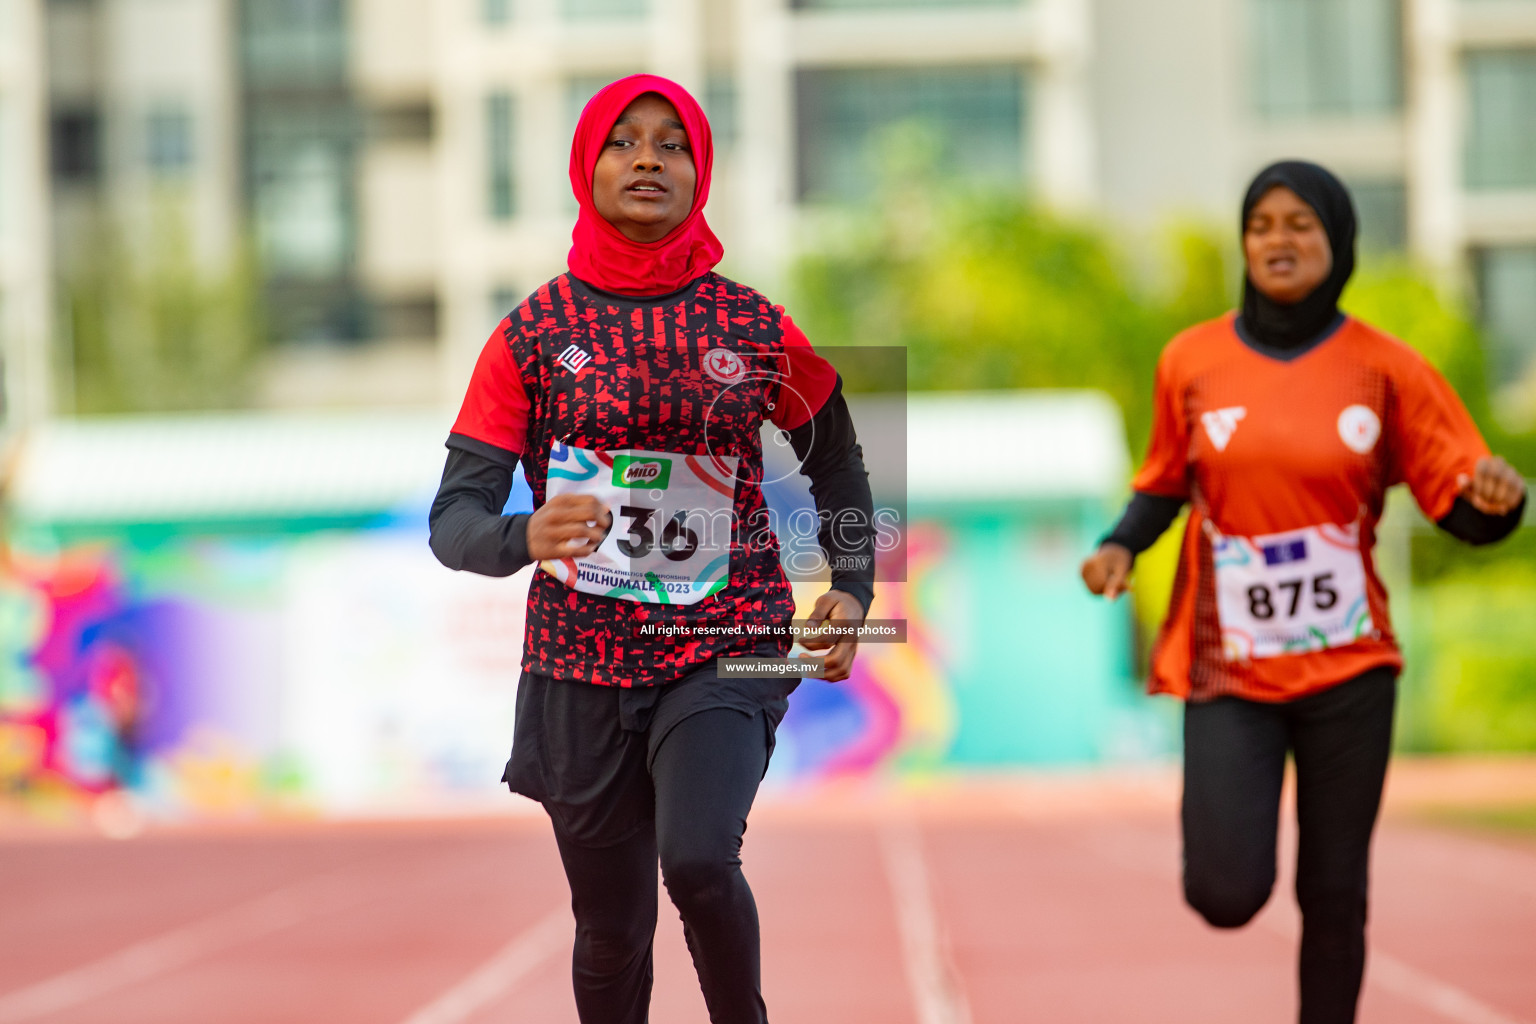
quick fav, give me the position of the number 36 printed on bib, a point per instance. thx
(670, 542)
(1288, 593)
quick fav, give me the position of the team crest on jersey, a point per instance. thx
(1359, 428)
(574, 358)
(724, 365)
(1221, 424)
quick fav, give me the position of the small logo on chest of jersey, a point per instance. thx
(1359, 428)
(574, 358)
(724, 365)
(1221, 424)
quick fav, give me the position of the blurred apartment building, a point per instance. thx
(400, 165)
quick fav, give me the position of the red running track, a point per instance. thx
(967, 906)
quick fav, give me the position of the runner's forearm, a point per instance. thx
(830, 456)
(1146, 518)
(468, 530)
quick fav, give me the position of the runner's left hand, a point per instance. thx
(835, 606)
(1494, 488)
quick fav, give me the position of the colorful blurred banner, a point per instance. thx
(234, 614)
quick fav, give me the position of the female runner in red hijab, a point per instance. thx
(633, 389)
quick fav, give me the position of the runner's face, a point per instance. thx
(644, 179)
(1286, 247)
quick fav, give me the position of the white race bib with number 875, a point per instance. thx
(670, 542)
(1288, 593)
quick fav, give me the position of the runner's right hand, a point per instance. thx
(1105, 571)
(567, 526)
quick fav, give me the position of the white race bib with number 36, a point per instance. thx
(1287, 593)
(670, 542)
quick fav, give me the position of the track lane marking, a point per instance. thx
(141, 961)
(500, 973)
(937, 996)
(1394, 975)
(1427, 991)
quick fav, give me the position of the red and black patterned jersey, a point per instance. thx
(695, 372)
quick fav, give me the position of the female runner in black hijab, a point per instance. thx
(1282, 426)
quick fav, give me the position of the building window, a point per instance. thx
(972, 118)
(406, 319)
(294, 44)
(1326, 58)
(1382, 206)
(412, 123)
(870, 5)
(301, 165)
(76, 145)
(1507, 290)
(580, 89)
(495, 12)
(168, 141)
(302, 132)
(504, 299)
(500, 191)
(583, 10)
(720, 107)
(1501, 136)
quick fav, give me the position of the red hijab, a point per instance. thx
(601, 255)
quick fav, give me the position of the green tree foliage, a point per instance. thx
(1471, 647)
(992, 291)
(152, 330)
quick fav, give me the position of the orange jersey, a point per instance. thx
(1286, 465)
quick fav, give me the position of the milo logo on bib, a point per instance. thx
(633, 471)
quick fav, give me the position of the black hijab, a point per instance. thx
(1288, 327)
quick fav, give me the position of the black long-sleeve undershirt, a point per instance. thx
(1147, 516)
(1145, 519)
(469, 532)
(1466, 523)
(833, 460)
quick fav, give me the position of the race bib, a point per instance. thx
(670, 542)
(1287, 593)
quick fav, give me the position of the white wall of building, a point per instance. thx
(25, 279)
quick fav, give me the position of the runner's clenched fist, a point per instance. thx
(1105, 570)
(1495, 487)
(567, 526)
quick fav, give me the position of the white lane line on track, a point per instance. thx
(1504, 870)
(936, 993)
(1400, 978)
(497, 975)
(1409, 983)
(1403, 980)
(279, 909)
(1430, 992)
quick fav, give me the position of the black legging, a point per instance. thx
(705, 775)
(1234, 761)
